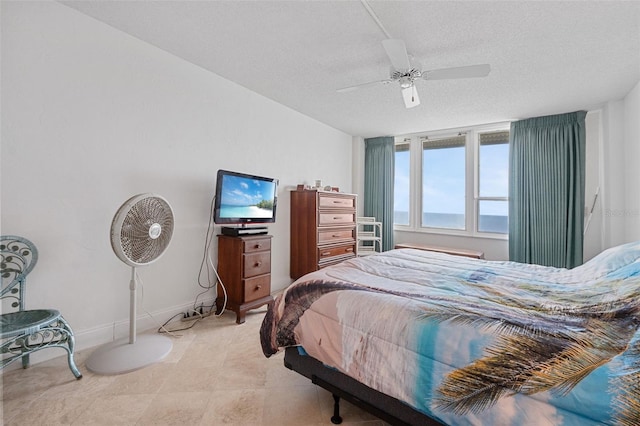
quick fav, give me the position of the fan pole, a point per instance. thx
(132, 306)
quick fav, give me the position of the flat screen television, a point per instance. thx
(243, 199)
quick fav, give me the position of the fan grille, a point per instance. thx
(147, 227)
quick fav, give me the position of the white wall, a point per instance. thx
(613, 164)
(593, 237)
(92, 116)
(632, 166)
(358, 171)
(621, 175)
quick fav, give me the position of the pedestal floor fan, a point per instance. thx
(140, 233)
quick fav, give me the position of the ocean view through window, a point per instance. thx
(443, 182)
(460, 178)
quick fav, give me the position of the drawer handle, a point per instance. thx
(348, 249)
(337, 202)
(336, 218)
(258, 246)
(258, 263)
(326, 253)
(258, 287)
(335, 235)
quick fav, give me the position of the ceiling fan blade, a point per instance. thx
(410, 96)
(397, 53)
(360, 86)
(470, 71)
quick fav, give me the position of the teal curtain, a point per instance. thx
(546, 190)
(379, 157)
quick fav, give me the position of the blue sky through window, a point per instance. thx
(443, 183)
(443, 180)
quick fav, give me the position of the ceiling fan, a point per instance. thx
(406, 73)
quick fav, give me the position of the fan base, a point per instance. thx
(121, 356)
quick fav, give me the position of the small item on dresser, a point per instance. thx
(335, 189)
(327, 188)
(300, 187)
(318, 184)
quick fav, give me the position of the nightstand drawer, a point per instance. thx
(257, 264)
(255, 288)
(261, 244)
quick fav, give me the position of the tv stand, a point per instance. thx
(239, 231)
(244, 266)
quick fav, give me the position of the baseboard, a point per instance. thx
(96, 336)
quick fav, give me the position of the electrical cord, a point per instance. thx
(198, 313)
(206, 261)
(161, 326)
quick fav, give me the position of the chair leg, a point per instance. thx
(73, 367)
(25, 361)
(71, 343)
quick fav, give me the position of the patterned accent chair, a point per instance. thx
(26, 331)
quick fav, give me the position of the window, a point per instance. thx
(493, 182)
(401, 184)
(456, 182)
(443, 182)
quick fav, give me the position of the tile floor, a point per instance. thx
(215, 374)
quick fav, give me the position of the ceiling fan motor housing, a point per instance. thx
(411, 74)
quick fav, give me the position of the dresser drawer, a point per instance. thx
(336, 202)
(261, 244)
(325, 219)
(257, 264)
(331, 236)
(328, 253)
(255, 288)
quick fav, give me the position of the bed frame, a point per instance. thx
(385, 407)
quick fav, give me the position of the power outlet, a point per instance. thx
(190, 316)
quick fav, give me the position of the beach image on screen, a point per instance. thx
(246, 198)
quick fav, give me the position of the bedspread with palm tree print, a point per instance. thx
(476, 342)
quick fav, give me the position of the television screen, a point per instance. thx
(244, 199)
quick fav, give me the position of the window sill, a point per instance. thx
(451, 232)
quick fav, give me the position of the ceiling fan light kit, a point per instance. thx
(410, 96)
(140, 233)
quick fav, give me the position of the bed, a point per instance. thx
(421, 337)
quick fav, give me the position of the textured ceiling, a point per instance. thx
(546, 57)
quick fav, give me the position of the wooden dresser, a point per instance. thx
(244, 266)
(323, 230)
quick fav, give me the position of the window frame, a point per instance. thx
(477, 198)
(472, 181)
(407, 142)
